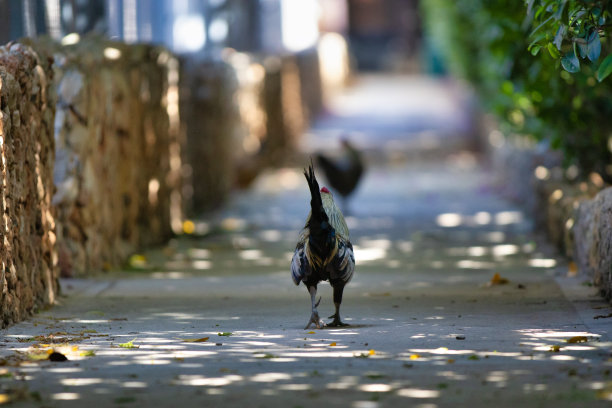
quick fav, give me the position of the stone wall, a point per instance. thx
(28, 260)
(574, 212)
(118, 168)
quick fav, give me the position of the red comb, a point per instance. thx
(325, 190)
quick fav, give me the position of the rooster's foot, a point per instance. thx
(314, 318)
(336, 322)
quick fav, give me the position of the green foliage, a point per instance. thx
(539, 66)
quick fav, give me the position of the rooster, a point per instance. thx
(344, 173)
(324, 251)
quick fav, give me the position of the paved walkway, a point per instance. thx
(214, 320)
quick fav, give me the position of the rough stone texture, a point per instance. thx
(600, 255)
(28, 258)
(212, 121)
(118, 151)
(242, 113)
(576, 216)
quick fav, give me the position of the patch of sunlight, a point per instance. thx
(418, 393)
(440, 350)
(535, 387)
(365, 404)
(497, 376)
(174, 275)
(318, 354)
(539, 333)
(508, 217)
(477, 251)
(270, 377)
(482, 218)
(65, 370)
(134, 384)
(368, 254)
(542, 263)
(452, 375)
(562, 357)
(201, 264)
(505, 250)
(198, 253)
(250, 254)
(65, 396)
(271, 235)
(295, 387)
(375, 387)
(215, 391)
(449, 220)
(470, 264)
(112, 53)
(199, 380)
(77, 382)
(376, 243)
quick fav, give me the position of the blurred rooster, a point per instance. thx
(323, 251)
(344, 173)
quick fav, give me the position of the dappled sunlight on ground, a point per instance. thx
(453, 302)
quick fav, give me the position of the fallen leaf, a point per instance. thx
(473, 357)
(311, 332)
(498, 280)
(225, 334)
(202, 340)
(555, 349)
(603, 316)
(372, 352)
(572, 269)
(75, 348)
(460, 337)
(450, 361)
(332, 344)
(414, 356)
(129, 344)
(88, 353)
(577, 339)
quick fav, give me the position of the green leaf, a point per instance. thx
(559, 36)
(605, 68)
(593, 46)
(535, 50)
(570, 62)
(225, 334)
(552, 49)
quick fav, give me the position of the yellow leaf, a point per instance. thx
(75, 348)
(332, 344)
(414, 356)
(188, 227)
(371, 352)
(498, 280)
(572, 269)
(311, 332)
(578, 339)
(201, 340)
(555, 349)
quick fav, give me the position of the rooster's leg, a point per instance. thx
(338, 289)
(314, 317)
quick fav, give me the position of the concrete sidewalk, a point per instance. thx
(214, 320)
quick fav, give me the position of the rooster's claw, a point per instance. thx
(314, 318)
(336, 322)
